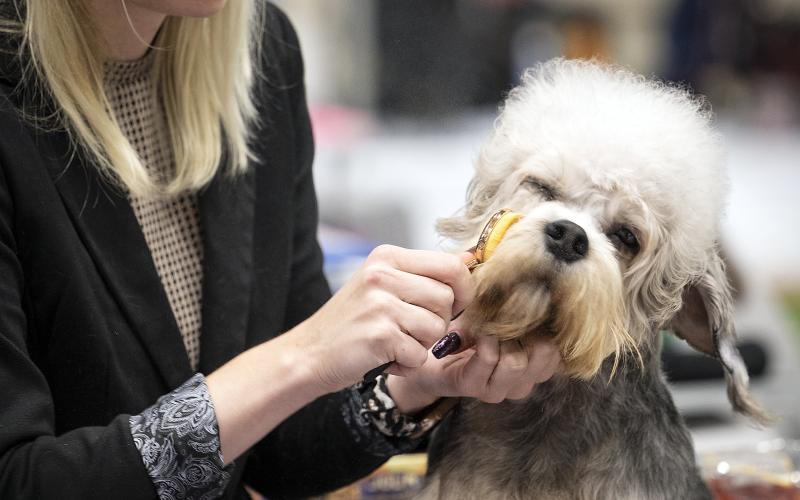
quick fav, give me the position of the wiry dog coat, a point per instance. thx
(621, 183)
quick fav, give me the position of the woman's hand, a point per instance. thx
(490, 371)
(393, 309)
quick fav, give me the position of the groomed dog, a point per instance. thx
(621, 183)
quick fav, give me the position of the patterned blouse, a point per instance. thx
(178, 436)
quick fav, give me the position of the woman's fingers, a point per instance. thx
(510, 372)
(555, 363)
(445, 268)
(421, 324)
(433, 284)
(395, 369)
(544, 358)
(408, 353)
(398, 304)
(507, 370)
(476, 373)
(422, 291)
(543, 361)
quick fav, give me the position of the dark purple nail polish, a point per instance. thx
(446, 345)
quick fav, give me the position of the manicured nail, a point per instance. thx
(446, 345)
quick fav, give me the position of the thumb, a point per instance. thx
(457, 339)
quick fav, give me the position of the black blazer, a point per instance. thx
(87, 336)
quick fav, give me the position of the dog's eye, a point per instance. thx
(548, 193)
(625, 237)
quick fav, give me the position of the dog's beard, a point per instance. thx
(524, 293)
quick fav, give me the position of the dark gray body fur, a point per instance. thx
(571, 440)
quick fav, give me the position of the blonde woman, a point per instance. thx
(157, 223)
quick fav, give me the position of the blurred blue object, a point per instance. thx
(344, 251)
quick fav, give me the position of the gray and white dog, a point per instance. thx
(621, 183)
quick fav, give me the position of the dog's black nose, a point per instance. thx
(566, 240)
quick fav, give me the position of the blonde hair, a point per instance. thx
(203, 74)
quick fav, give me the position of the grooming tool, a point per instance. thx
(491, 236)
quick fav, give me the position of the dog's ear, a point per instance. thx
(705, 321)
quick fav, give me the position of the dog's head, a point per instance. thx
(621, 184)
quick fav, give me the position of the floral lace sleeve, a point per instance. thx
(178, 439)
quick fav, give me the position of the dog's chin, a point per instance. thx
(524, 293)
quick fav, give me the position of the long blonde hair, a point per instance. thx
(203, 76)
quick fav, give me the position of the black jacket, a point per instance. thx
(87, 336)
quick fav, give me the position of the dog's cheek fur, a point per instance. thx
(523, 293)
(590, 316)
(512, 296)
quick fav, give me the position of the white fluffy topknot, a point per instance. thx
(624, 129)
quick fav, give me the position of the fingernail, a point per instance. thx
(446, 345)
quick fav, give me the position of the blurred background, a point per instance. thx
(403, 92)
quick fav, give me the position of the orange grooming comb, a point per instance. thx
(491, 236)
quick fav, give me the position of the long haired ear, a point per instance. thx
(705, 321)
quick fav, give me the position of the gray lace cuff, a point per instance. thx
(178, 439)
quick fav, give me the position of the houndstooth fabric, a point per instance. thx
(170, 225)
